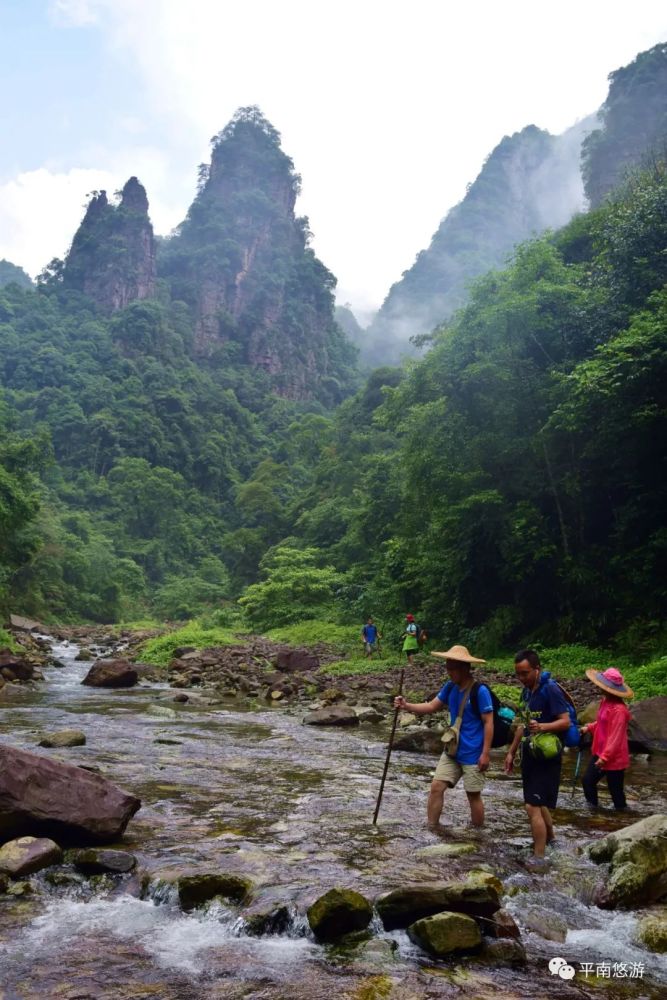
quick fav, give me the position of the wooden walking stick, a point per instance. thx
(391, 743)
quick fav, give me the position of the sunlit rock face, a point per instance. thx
(112, 257)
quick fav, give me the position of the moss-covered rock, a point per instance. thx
(446, 934)
(338, 912)
(638, 858)
(402, 907)
(64, 738)
(195, 890)
(652, 931)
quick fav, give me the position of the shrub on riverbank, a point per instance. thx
(161, 650)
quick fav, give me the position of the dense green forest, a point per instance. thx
(162, 457)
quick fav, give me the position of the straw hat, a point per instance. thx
(611, 681)
(459, 653)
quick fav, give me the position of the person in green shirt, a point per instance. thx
(410, 638)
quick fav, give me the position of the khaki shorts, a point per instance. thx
(451, 771)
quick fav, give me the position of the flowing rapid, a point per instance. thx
(256, 793)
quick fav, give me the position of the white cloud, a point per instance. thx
(41, 209)
(387, 108)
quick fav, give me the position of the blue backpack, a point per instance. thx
(571, 737)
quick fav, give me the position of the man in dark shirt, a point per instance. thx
(545, 701)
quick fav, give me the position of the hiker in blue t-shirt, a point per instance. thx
(545, 701)
(472, 758)
(369, 636)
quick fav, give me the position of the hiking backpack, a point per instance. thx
(502, 723)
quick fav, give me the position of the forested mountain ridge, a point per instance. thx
(509, 486)
(529, 183)
(512, 484)
(164, 442)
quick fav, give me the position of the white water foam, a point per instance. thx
(173, 940)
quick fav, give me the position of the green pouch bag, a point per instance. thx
(545, 746)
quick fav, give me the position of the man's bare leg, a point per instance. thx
(548, 823)
(436, 798)
(538, 829)
(476, 803)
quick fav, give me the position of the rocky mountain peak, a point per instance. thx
(112, 257)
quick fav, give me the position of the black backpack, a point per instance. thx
(501, 726)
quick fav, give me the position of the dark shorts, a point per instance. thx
(541, 779)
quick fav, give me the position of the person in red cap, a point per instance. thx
(610, 738)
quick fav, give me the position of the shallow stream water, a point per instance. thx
(255, 792)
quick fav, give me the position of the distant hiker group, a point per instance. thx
(544, 724)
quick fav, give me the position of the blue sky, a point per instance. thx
(387, 108)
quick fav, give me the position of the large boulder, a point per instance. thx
(638, 858)
(402, 907)
(28, 855)
(339, 912)
(335, 715)
(43, 797)
(292, 661)
(446, 934)
(647, 727)
(111, 674)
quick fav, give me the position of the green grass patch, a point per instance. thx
(7, 639)
(646, 680)
(359, 666)
(161, 649)
(136, 626)
(566, 661)
(346, 638)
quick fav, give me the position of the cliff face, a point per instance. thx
(241, 260)
(634, 123)
(112, 257)
(530, 182)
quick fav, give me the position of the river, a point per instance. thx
(257, 793)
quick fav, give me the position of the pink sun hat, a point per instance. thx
(611, 681)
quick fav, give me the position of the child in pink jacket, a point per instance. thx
(610, 738)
